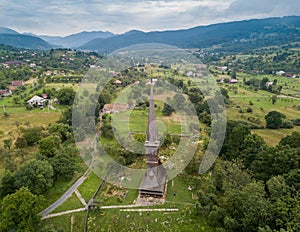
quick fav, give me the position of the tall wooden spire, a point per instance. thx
(153, 183)
(152, 135)
(152, 141)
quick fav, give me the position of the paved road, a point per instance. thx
(72, 189)
(65, 196)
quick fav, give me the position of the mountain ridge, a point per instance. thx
(23, 41)
(6, 30)
(75, 40)
(235, 35)
(206, 36)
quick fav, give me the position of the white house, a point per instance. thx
(269, 83)
(280, 73)
(5, 92)
(36, 101)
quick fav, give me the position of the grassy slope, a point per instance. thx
(115, 219)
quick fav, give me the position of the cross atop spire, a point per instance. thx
(152, 135)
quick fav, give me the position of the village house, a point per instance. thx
(115, 108)
(280, 73)
(14, 63)
(233, 81)
(17, 83)
(5, 92)
(269, 83)
(118, 82)
(36, 101)
(48, 73)
(189, 73)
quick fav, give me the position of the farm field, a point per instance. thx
(25, 118)
(273, 137)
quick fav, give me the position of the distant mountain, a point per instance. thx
(76, 40)
(236, 36)
(5, 30)
(23, 41)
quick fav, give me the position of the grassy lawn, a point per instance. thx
(260, 103)
(58, 86)
(291, 86)
(63, 223)
(138, 122)
(88, 188)
(116, 220)
(273, 137)
(35, 117)
(183, 195)
(72, 203)
(59, 189)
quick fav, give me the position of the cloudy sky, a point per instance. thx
(63, 17)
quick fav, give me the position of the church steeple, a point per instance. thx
(152, 135)
(154, 181)
(152, 141)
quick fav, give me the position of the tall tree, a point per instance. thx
(274, 119)
(66, 96)
(7, 184)
(19, 211)
(49, 146)
(36, 175)
(167, 110)
(63, 166)
(292, 140)
(32, 135)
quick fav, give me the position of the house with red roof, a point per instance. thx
(233, 81)
(17, 83)
(5, 92)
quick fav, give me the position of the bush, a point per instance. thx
(274, 119)
(287, 124)
(249, 110)
(296, 122)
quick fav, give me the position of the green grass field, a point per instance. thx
(72, 203)
(273, 137)
(118, 220)
(89, 186)
(183, 220)
(59, 189)
(291, 86)
(63, 223)
(58, 86)
(31, 118)
(138, 122)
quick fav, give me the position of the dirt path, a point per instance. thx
(63, 213)
(80, 197)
